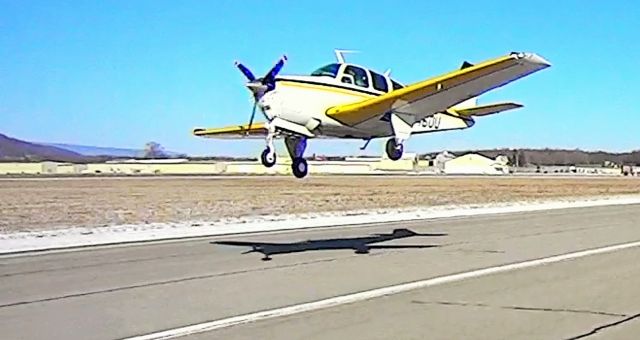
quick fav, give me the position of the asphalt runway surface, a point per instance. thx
(489, 277)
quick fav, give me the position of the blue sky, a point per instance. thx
(121, 73)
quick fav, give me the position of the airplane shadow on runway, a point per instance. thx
(361, 245)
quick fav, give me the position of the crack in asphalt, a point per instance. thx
(486, 251)
(93, 265)
(521, 308)
(609, 325)
(160, 283)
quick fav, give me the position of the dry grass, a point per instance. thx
(30, 204)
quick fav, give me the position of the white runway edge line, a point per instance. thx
(61, 239)
(370, 294)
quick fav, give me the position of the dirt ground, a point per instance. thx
(32, 204)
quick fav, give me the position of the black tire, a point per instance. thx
(394, 151)
(264, 158)
(299, 167)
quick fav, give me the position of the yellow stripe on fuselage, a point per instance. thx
(325, 87)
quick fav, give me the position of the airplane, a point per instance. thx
(344, 100)
(361, 245)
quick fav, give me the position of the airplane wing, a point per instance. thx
(485, 110)
(438, 94)
(257, 130)
(408, 246)
(246, 243)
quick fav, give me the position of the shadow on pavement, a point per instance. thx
(361, 245)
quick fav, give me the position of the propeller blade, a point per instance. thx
(253, 114)
(275, 69)
(254, 249)
(247, 73)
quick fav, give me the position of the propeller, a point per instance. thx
(254, 249)
(260, 86)
(253, 115)
(247, 73)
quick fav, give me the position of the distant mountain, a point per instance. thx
(12, 149)
(98, 151)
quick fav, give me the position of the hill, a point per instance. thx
(109, 152)
(86, 150)
(12, 149)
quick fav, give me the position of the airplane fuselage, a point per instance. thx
(304, 101)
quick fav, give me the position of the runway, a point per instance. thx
(124, 292)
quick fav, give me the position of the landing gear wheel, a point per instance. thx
(268, 158)
(394, 151)
(362, 250)
(299, 167)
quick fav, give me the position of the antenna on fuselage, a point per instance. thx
(340, 55)
(387, 72)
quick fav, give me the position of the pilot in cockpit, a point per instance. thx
(355, 75)
(349, 80)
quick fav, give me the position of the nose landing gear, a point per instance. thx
(268, 157)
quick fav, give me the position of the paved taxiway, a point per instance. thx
(120, 292)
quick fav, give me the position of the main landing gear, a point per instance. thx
(401, 131)
(296, 147)
(394, 149)
(299, 167)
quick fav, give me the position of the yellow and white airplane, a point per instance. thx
(343, 100)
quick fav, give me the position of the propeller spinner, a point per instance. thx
(260, 86)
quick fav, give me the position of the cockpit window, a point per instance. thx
(359, 75)
(330, 70)
(379, 82)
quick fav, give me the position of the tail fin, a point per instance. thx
(403, 232)
(465, 64)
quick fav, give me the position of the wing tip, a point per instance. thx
(198, 131)
(532, 58)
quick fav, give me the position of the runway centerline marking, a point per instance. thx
(371, 294)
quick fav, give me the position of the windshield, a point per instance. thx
(330, 70)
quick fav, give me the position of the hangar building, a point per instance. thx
(475, 164)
